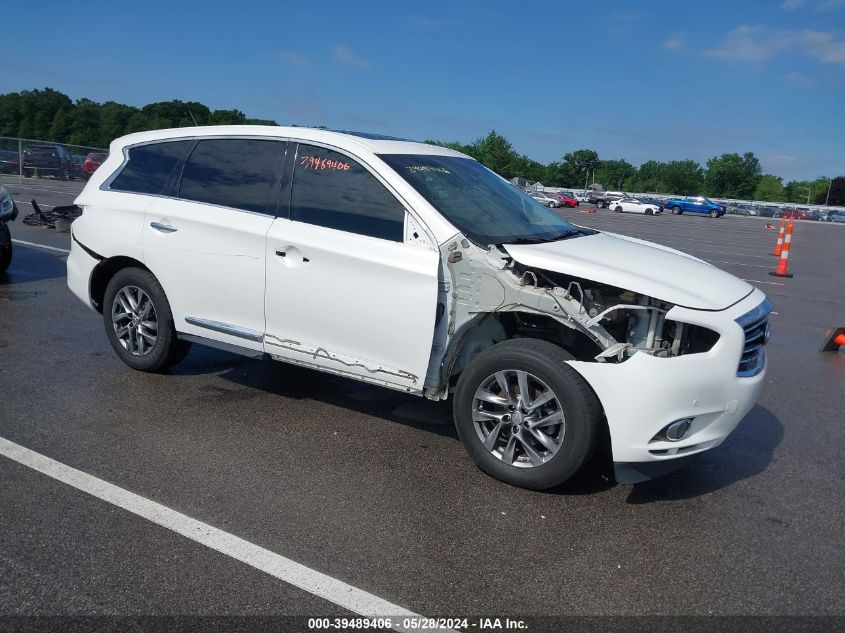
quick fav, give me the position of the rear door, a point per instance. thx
(347, 292)
(206, 241)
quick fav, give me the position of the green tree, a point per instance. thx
(837, 193)
(577, 167)
(614, 173)
(732, 175)
(770, 188)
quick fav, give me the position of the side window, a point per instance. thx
(332, 190)
(150, 166)
(237, 173)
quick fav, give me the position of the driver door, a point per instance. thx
(345, 291)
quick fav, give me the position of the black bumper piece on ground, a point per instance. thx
(638, 472)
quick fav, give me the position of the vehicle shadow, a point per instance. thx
(32, 264)
(291, 381)
(747, 452)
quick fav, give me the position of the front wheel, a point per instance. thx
(676, 210)
(139, 323)
(618, 209)
(5, 247)
(524, 415)
(714, 213)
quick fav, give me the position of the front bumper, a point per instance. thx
(644, 394)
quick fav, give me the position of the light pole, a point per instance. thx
(827, 197)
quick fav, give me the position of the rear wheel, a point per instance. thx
(139, 323)
(676, 210)
(524, 415)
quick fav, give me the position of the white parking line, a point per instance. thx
(717, 261)
(771, 283)
(49, 248)
(46, 206)
(316, 583)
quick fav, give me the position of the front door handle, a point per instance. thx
(164, 228)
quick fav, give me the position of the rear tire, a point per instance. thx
(676, 210)
(139, 323)
(542, 455)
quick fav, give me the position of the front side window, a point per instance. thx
(150, 166)
(483, 206)
(332, 190)
(232, 172)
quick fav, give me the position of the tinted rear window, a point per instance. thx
(237, 173)
(150, 166)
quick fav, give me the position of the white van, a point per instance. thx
(413, 267)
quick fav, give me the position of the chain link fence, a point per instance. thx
(33, 158)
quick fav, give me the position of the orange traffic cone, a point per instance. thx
(834, 340)
(779, 245)
(783, 262)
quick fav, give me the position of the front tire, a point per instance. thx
(676, 210)
(618, 209)
(536, 441)
(139, 323)
(714, 213)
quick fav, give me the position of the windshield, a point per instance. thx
(483, 206)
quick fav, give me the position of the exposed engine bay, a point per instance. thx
(487, 296)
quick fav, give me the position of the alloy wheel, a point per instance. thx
(518, 418)
(134, 319)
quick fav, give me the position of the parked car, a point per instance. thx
(769, 211)
(92, 162)
(414, 267)
(8, 212)
(695, 204)
(9, 162)
(797, 213)
(601, 199)
(566, 198)
(836, 216)
(53, 160)
(742, 209)
(634, 205)
(546, 199)
(78, 166)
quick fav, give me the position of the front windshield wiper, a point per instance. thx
(542, 240)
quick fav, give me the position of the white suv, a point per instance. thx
(414, 267)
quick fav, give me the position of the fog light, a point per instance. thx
(677, 430)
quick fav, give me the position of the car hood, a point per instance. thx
(644, 267)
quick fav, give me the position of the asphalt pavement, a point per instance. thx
(373, 488)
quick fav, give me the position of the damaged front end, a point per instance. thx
(487, 296)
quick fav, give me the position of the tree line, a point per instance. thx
(730, 175)
(51, 115)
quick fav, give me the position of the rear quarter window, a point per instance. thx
(150, 166)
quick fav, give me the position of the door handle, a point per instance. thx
(291, 256)
(164, 228)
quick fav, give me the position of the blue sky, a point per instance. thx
(636, 80)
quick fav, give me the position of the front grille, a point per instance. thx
(755, 324)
